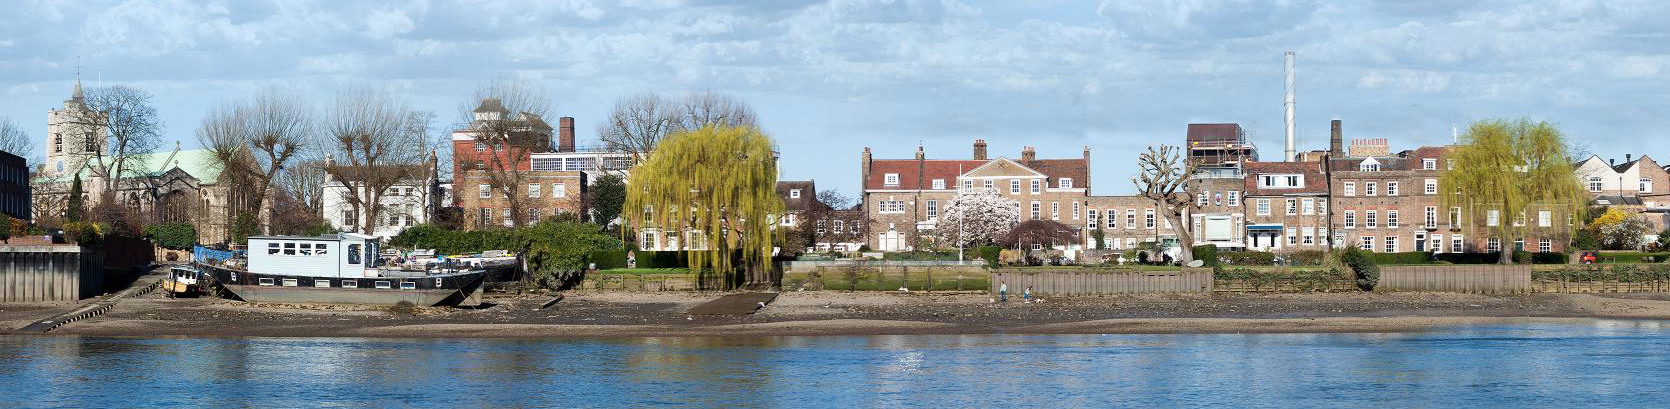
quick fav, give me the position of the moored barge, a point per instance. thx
(339, 269)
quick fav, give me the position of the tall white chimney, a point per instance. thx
(1289, 105)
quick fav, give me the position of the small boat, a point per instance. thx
(182, 281)
(340, 269)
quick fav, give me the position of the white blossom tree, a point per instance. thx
(1629, 234)
(976, 216)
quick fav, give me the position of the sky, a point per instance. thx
(829, 78)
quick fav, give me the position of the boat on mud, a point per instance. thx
(341, 268)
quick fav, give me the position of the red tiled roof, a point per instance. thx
(1312, 171)
(949, 169)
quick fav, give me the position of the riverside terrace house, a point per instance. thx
(1638, 186)
(902, 198)
(1287, 206)
(550, 188)
(413, 200)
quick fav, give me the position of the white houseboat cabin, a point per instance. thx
(333, 255)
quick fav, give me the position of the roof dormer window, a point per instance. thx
(794, 193)
(891, 179)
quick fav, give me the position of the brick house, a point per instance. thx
(545, 192)
(1639, 186)
(1287, 206)
(902, 197)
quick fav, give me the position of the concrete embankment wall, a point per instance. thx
(885, 276)
(603, 281)
(1079, 281)
(1477, 279)
(49, 273)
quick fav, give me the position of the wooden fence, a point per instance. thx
(1478, 279)
(49, 273)
(1081, 281)
(1282, 280)
(1609, 278)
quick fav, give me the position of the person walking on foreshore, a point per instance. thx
(1027, 295)
(1003, 292)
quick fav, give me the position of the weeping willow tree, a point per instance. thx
(1512, 167)
(715, 188)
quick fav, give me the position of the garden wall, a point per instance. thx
(885, 276)
(1096, 281)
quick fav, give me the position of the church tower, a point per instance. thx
(73, 135)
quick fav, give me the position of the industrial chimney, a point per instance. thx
(565, 134)
(1288, 102)
(1336, 143)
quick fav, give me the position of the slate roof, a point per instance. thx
(1314, 182)
(808, 195)
(948, 169)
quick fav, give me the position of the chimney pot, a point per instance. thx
(1027, 153)
(979, 149)
(1628, 157)
(565, 134)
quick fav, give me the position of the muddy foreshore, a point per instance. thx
(840, 313)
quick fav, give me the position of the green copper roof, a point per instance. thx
(199, 163)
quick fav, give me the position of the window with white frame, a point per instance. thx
(1545, 218)
(1350, 219)
(1391, 188)
(1368, 188)
(1350, 188)
(890, 179)
(1492, 218)
(1391, 219)
(533, 190)
(1014, 186)
(1646, 186)
(1292, 207)
(1309, 206)
(1367, 243)
(1308, 235)
(794, 193)
(1065, 183)
(933, 209)
(1148, 218)
(1200, 199)
(838, 226)
(1113, 218)
(1455, 243)
(1430, 187)
(1594, 184)
(1369, 166)
(989, 183)
(1545, 245)
(484, 191)
(1037, 186)
(1437, 243)
(968, 184)
(1292, 236)
(508, 219)
(1281, 181)
(1234, 198)
(1090, 221)
(1391, 244)
(939, 184)
(1455, 217)
(1432, 217)
(1131, 219)
(1075, 210)
(1493, 245)
(1037, 210)
(1055, 210)
(559, 190)
(1429, 164)
(1370, 219)
(1263, 207)
(890, 206)
(1519, 219)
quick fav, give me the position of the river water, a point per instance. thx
(1598, 364)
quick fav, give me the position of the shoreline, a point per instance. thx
(631, 315)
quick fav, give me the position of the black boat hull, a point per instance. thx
(459, 289)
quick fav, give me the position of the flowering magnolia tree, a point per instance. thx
(976, 216)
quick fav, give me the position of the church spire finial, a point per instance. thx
(77, 94)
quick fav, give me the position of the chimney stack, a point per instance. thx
(1288, 102)
(979, 149)
(1628, 157)
(565, 134)
(1336, 140)
(1027, 154)
(1612, 161)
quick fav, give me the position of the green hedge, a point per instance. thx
(1408, 257)
(990, 254)
(1550, 258)
(607, 259)
(920, 256)
(1631, 257)
(1470, 258)
(1247, 258)
(1206, 253)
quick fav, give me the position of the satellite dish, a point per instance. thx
(1197, 263)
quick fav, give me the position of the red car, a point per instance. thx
(1588, 257)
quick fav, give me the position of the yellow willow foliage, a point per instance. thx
(718, 186)
(1515, 167)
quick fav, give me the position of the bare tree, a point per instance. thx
(508, 122)
(254, 140)
(376, 141)
(304, 181)
(132, 128)
(638, 122)
(15, 140)
(1163, 181)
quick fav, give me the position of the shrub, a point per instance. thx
(607, 259)
(864, 248)
(990, 254)
(1206, 253)
(1469, 258)
(1521, 257)
(1549, 258)
(1247, 258)
(1362, 265)
(1408, 257)
(1142, 257)
(1306, 257)
(172, 236)
(1586, 239)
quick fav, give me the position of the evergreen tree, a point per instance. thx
(75, 208)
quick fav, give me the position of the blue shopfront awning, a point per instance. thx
(1264, 227)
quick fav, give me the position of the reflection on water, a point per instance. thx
(1605, 363)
